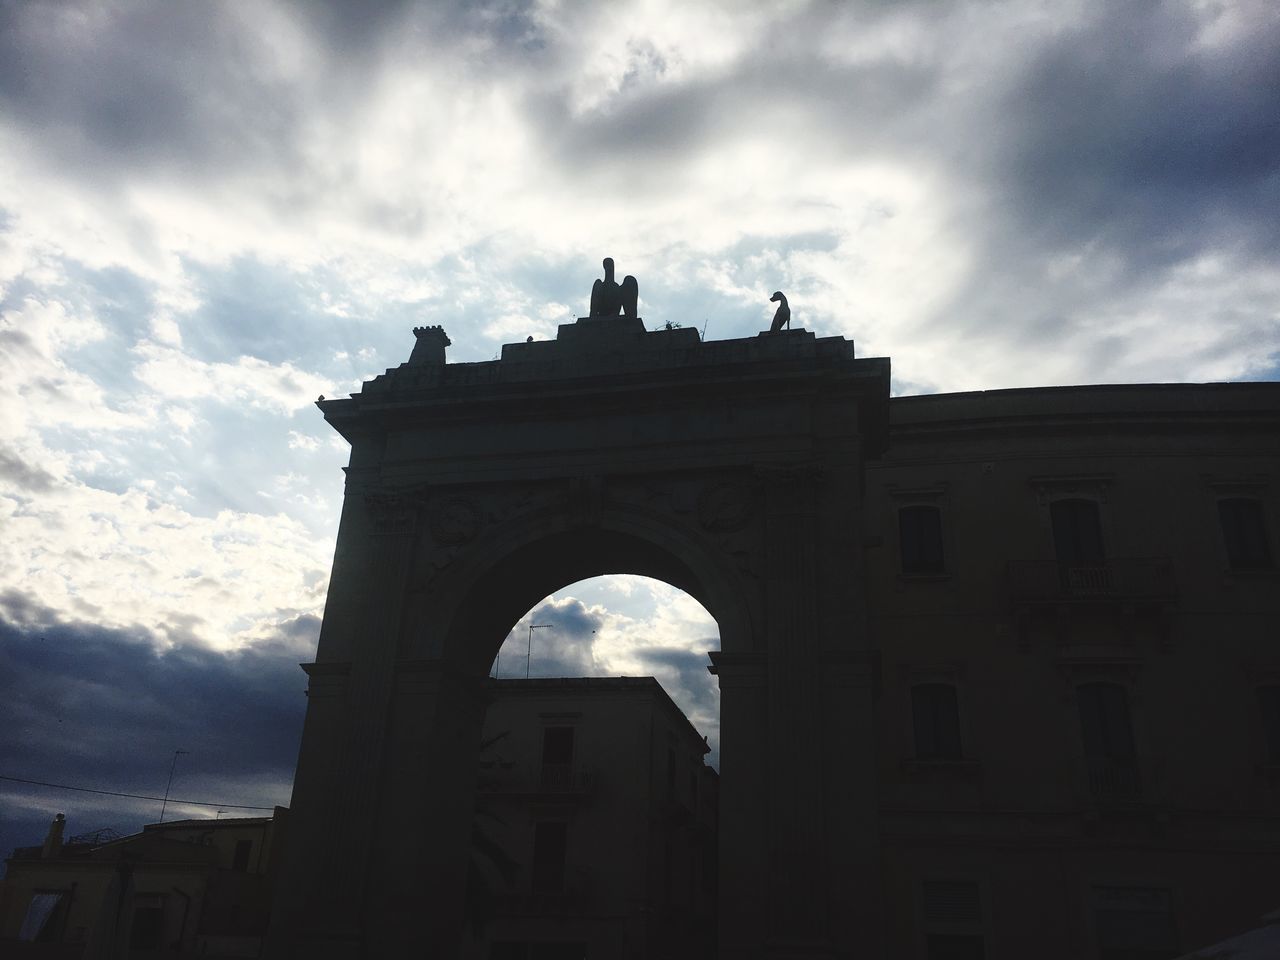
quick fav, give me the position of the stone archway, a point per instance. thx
(732, 470)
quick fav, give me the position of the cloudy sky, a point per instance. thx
(211, 213)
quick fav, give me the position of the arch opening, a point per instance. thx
(621, 625)
(495, 596)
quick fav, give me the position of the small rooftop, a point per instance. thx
(579, 686)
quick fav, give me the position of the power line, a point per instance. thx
(135, 796)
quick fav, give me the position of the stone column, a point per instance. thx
(422, 835)
(322, 890)
(851, 804)
(743, 852)
(796, 838)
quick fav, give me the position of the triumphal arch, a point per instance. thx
(731, 469)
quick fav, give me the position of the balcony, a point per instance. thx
(548, 779)
(565, 892)
(1136, 580)
(562, 778)
(1112, 778)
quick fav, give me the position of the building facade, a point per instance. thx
(1076, 597)
(996, 670)
(179, 889)
(595, 824)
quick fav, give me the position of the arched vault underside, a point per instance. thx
(522, 563)
(731, 470)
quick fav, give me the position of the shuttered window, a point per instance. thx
(920, 536)
(936, 716)
(1244, 532)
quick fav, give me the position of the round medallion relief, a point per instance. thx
(726, 506)
(455, 521)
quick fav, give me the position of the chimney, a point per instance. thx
(53, 842)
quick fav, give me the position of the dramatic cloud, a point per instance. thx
(98, 708)
(212, 213)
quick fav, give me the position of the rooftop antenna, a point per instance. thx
(173, 766)
(704, 329)
(528, 652)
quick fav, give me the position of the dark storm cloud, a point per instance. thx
(790, 97)
(1125, 131)
(112, 88)
(102, 708)
(357, 27)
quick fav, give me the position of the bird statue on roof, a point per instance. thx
(609, 298)
(782, 318)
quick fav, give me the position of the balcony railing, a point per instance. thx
(570, 892)
(1114, 779)
(1048, 581)
(562, 778)
(555, 778)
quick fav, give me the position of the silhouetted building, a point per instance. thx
(1076, 598)
(596, 824)
(186, 887)
(998, 671)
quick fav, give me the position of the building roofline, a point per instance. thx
(598, 685)
(202, 824)
(1139, 402)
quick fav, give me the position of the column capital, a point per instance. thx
(738, 669)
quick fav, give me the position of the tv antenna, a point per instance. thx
(528, 650)
(173, 766)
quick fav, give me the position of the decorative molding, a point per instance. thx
(931, 492)
(1058, 486)
(392, 513)
(738, 669)
(948, 671)
(723, 507)
(327, 668)
(1119, 670)
(455, 520)
(1225, 485)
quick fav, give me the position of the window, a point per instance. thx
(955, 946)
(668, 868)
(1107, 733)
(953, 920)
(557, 756)
(1269, 704)
(1133, 923)
(40, 921)
(1245, 533)
(519, 950)
(241, 861)
(1077, 532)
(920, 534)
(147, 930)
(937, 721)
(549, 844)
